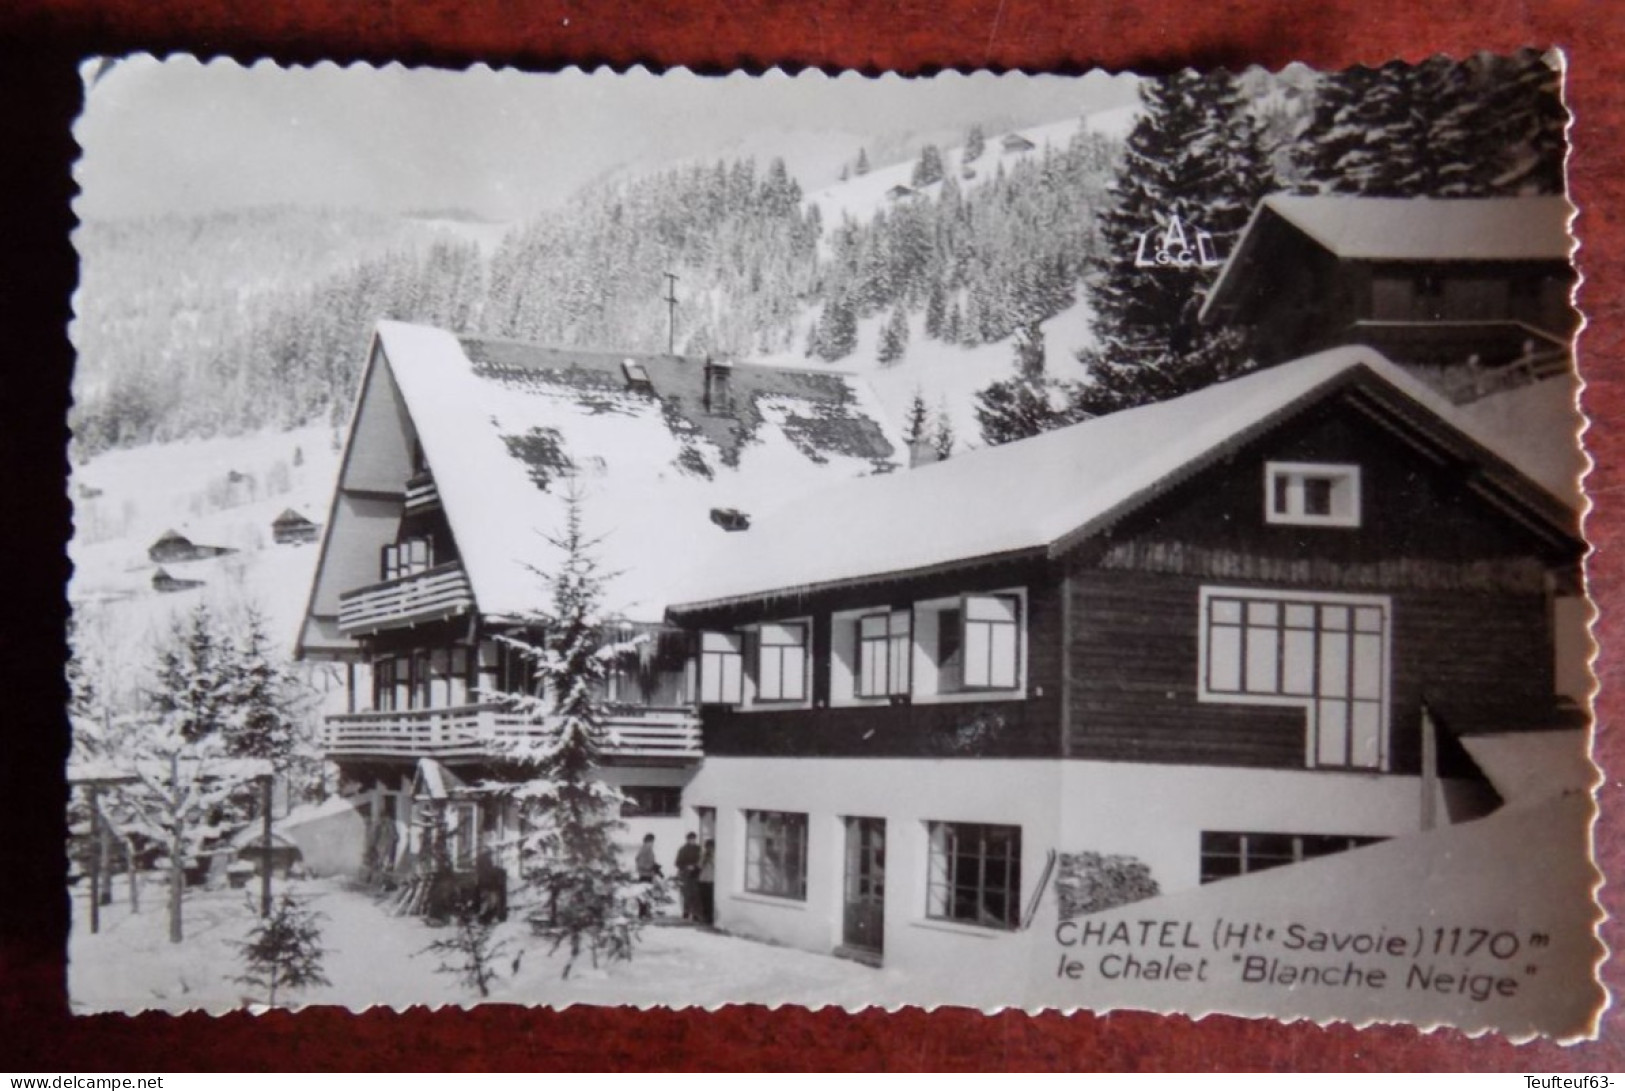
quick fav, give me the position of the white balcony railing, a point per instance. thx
(408, 600)
(474, 731)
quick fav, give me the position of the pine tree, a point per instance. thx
(1485, 126)
(917, 422)
(472, 950)
(936, 310)
(190, 686)
(942, 434)
(261, 719)
(284, 951)
(928, 168)
(863, 162)
(894, 336)
(569, 817)
(975, 144)
(837, 332)
(1194, 154)
(1026, 404)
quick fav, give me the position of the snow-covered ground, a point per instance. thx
(375, 957)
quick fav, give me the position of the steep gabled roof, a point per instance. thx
(289, 517)
(507, 427)
(1040, 494)
(1406, 229)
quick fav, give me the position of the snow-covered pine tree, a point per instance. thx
(975, 143)
(261, 721)
(1527, 119)
(894, 336)
(928, 168)
(569, 818)
(284, 951)
(191, 687)
(472, 951)
(1027, 404)
(1195, 154)
(1485, 126)
(942, 433)
(837, 332)
(862, 167)
(917, 421)
(936, 310)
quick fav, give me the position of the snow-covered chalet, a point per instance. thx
(1473, 293)
(1256, 624)
(1282, 617)
(452, 482)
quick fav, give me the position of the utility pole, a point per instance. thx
(671, 314)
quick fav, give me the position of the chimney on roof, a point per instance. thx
(922, 453)
(718, 386)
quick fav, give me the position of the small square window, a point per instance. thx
(1312, 494)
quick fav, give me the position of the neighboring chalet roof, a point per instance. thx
(1047, 492)
(291, 518)
(1406, 229)
(652, 446)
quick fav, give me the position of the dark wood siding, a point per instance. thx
(1470, 622)
(1481, 660)
(1022, 728)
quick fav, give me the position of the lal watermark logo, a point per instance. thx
(1176, 246)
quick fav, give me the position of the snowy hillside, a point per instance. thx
(861, 197)
(217, 492)
(950, 376)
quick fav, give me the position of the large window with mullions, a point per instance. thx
(1327, 653)
(975, 874)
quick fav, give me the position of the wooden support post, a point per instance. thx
(265, 847)
(1430, 770)
(95, 859)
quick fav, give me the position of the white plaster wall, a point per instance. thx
(1153, 812)
(669, 831)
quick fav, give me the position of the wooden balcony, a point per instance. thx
(421, 494)
(438, 593)
(477, 731)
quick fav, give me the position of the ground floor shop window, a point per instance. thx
(975, 875)
(776, 854)
(1226, 854)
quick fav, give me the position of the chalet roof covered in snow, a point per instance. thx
(652, 443)
(1409, 229)
(1040, 493)
(1431, 229)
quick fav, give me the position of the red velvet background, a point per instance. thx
(39, 42)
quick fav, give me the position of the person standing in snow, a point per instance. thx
(688, 876)
(707, 882)
(648, 869)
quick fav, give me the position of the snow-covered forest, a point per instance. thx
(234, 321)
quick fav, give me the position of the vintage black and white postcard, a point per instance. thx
(1008, 541)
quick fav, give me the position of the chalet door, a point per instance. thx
(864, 923)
